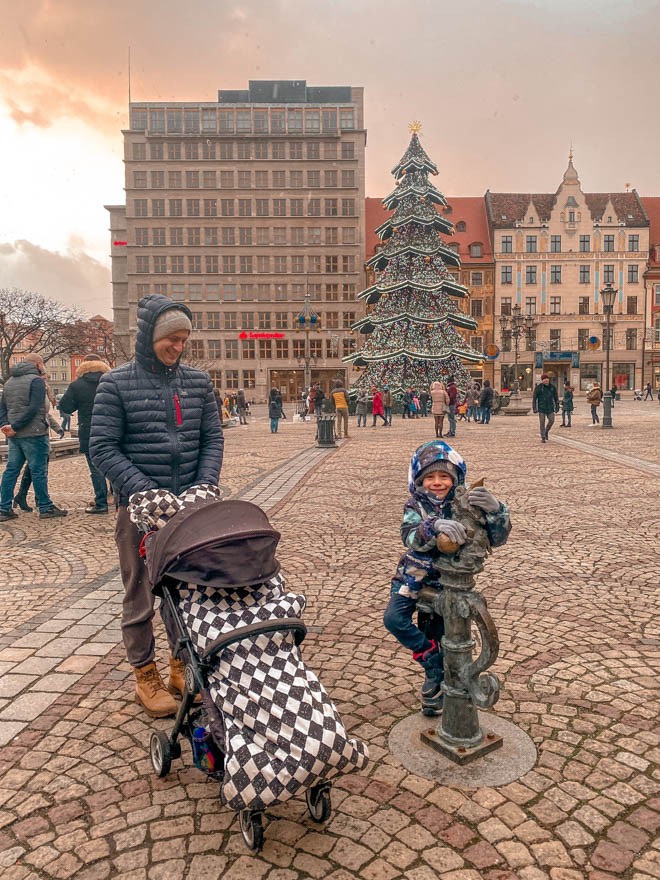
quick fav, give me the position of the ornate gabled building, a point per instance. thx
(553, 255)
(651, 343)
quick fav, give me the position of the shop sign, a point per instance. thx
(252, 335)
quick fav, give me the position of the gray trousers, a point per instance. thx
(138, 607)
(543, 426)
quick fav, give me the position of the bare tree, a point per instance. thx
(31, 322)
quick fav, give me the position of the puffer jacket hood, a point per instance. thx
(96, 367)
(149, 309)
(24, 369)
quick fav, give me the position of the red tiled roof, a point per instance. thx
(652, 207)
(469, 210)
(504, 209)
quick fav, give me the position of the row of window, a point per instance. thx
(229, 264)
(265, 349)
(211, 120)
(261, 236)
(211, 179)
(227, 150)
(531, 244)
(266, 320)
(244, 208)
(531, 274)
(583, 334)
(247, 292)
(584, 305)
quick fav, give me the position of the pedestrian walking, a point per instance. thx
(20, 498)
(361, 408)
(155, 425)
(79, 397)
(241, 405)
(594, 399)
(435, 471)
(439, 406)
(567, 405)
(545, 402)
(340, 400)
(471, 404)
(387, 404)
(319, 397)
(424, 398)
(486, 397)
(407, 403)
(452, 391)
(275, 410)
(65, 418)
(23, 422)
(613, 391)
(649, 391)
(377, 409)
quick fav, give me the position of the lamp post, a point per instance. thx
(518, 325)
(306, 321)
(608, 295)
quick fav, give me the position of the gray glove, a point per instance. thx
(484, 499)
(455, 531)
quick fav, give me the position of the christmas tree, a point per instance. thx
(411, 336)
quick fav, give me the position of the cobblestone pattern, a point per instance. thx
(574, 595)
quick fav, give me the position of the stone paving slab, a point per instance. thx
(574, 595)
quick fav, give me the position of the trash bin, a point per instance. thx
(325, 430)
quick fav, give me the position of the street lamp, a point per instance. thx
(518, 324)
(307, 321)
(608, 295)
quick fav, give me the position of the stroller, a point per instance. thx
(256, 719)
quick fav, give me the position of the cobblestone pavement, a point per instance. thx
(575, 598)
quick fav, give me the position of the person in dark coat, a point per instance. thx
(486, 402)
(242, 407)
(275, 411)
(567, 406)
(79, 397)
(155, 425)
(545, 402)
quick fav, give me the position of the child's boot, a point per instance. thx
(431, 694)
(151, 693)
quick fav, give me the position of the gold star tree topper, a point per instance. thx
(415, 127)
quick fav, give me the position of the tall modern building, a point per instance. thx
(249, 209)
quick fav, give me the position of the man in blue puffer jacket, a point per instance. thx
(155, 425)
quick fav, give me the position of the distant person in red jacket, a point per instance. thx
(377, 408)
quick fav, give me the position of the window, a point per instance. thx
(263, 235)
(195, 265)
(194, 235)
(176, 265)
(571, 216)
(192, 151)
(279, 179)
(476, 279)
(348, 150)
(348, 235)
(633, 274)
(142, 265)
(176, 235)
(631, 338)
(476, 249)
(231, 380)
(657, 295)
(585, 274)
(192, 179)
(297, 235)
(313, 264)
(633, 243)
(213, 320)
(279, 207)
(226, 151)
(247, 320)
(214, 349)
(174, 179)
(260, 121)
(348, 346)
(477, 308)
(631, 305)
(348, 263)
(295, 121)
(296, 179)
(555, 274)
(330, 150)
(228, 236)
(244, 179)
(248, 350)
(585, 244)
(460, 226)
(330, 179)
(247, 292)
(176, 207)
(313, 150)
(227, 207)
(140, 179)
(331, 264)
(608, 243)
(583, 305)
(506, 274)
(331, 292)
(208, 120)
(530, 244)
(507, 244)
(192, 207)
(244, 150)
(282, 349)
(348, 178)
(141, 235)
(555, 340)
(210, 207)
(330, 207)
(265, 349)
(245, 235)
(140, 208)
(277, 122)
(329, 120)
(583, 338)
(295, 150)
(157, 121)
(477, 343)
(281, 320)
(313, 208)
(555, 305)
(261, 207)
(228, 264)
(296, 207)
(346, 120)
(555, 244)
(298, 264)
(138, 119)
(197, 348)
(299, 348)
(174, 152)
(263, 265)
(348, 319)
(530, 274)
(245, 207)
(278, 151)
(506, 305)
(229, 320)
(212, 265)
(608, 274)
(506, 340)
(280, 293)
(348, 207)
(332, 321)
(530, 305)
(332, 235)
(245, 265)
(313, 179)
(263, 320)
(530, 340)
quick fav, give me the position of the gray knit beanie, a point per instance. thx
(170, 321)
(445, 466)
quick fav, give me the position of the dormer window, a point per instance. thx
(531, 221)
(476, 249)
(609, 219)
(571, 216)
(460, 226)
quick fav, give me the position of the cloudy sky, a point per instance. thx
(503, 87)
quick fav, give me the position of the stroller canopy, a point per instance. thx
(217, 544)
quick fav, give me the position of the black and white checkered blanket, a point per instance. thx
(283, 733)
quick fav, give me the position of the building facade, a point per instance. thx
(553, 255)
(652, 288)
(243, 209)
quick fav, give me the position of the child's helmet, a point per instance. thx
(430, 453)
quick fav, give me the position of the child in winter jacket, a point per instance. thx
(435, 471)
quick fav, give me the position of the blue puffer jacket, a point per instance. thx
(155, 426)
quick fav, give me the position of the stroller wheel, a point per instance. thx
(319, 803)
(251, 829)
(160, 752)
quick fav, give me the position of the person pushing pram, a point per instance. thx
(265, 725)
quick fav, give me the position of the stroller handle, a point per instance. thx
(255, 629)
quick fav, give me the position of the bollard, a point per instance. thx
(325, 431)
(466, 688)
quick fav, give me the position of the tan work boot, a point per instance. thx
(176, 682)
(151, 693)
